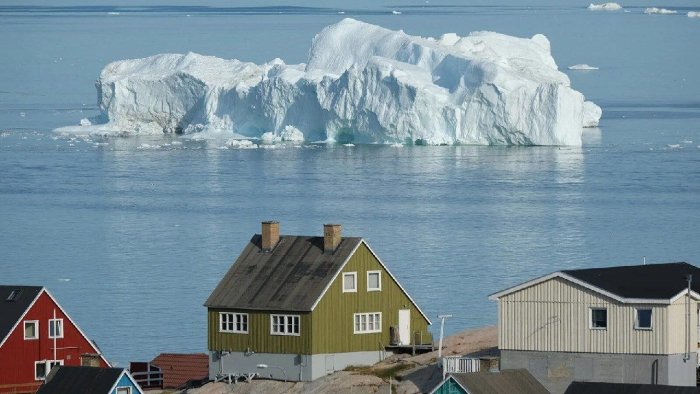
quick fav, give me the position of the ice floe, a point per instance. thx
(583, 67)
(662, 11)
(605, 7)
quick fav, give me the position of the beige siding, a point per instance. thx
(555, 316)
(677, 326)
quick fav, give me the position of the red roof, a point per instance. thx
(178, 369)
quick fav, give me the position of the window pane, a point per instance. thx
(644, 318)
(377, 322)
(373, 280)
(30, 330)
(349, 282)
(357, 323)
(599, 318)
(40, 370)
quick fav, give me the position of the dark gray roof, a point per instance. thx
(504, 382)
(12, 310)
(650, 281)
(626, 388)
(291, 277)
(80, 380)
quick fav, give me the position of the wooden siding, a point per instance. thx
(448, 386)
(258, 338)
(333, 318)
(676, 325)
(555, 316)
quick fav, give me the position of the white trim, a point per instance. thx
(362, 241)
(285, 324)
(92, 345)
(590, 317)
(55, 323)
(131, 378)
(118, 388)
(354, 276)
(36, 330)
(47, 367)
(445, 381)
(21, 318)
(651, 319)
(559, 274)
(375, 329)
(380, 280)
(234, 321)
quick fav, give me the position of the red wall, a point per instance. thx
(17, 355)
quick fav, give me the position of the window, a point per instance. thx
(368, 322)
(43, 367)
(31, 329)
(643, 319)
(233, 322)
(374, 280)
(599, 318)
(350, 282)
(55, 328)
(123, 390)
(14, 294)
(284, 324)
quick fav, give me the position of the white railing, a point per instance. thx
(458, 364)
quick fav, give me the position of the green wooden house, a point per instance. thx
(300, 307)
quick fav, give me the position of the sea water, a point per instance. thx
(132, 234)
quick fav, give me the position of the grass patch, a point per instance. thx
(382, 373)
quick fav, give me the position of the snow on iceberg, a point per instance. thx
(663, 11)
(362, 83)
(693, 14)
(605, 7)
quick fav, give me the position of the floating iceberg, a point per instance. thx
(654, 10)
(693, 14)
(362, 84)
(605, 7)
(584, 67)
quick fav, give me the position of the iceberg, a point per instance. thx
(662, 11)
(693, 14)
(605, 7)
(361, 84)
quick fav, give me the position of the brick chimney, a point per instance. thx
(270, 234)
(331, 237)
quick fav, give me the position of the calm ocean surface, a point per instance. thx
(132, 234)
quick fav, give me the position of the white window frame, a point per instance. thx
(120, 390)
(36, 329)
(286, 321)
(52, 322)
(354, 280)
(636, 319)
(371, 318)
(234, 322)
(379, 273)
(590, 318)
(47, 367)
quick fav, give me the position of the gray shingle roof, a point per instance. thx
(291, 277)
(12, 310)
(503, 382)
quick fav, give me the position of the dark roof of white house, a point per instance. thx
(656, 283)
(14, 301)
(627, 388)
(290, 277)
(641, 281)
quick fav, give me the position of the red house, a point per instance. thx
(35, 335)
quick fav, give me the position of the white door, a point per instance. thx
(405, 326)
